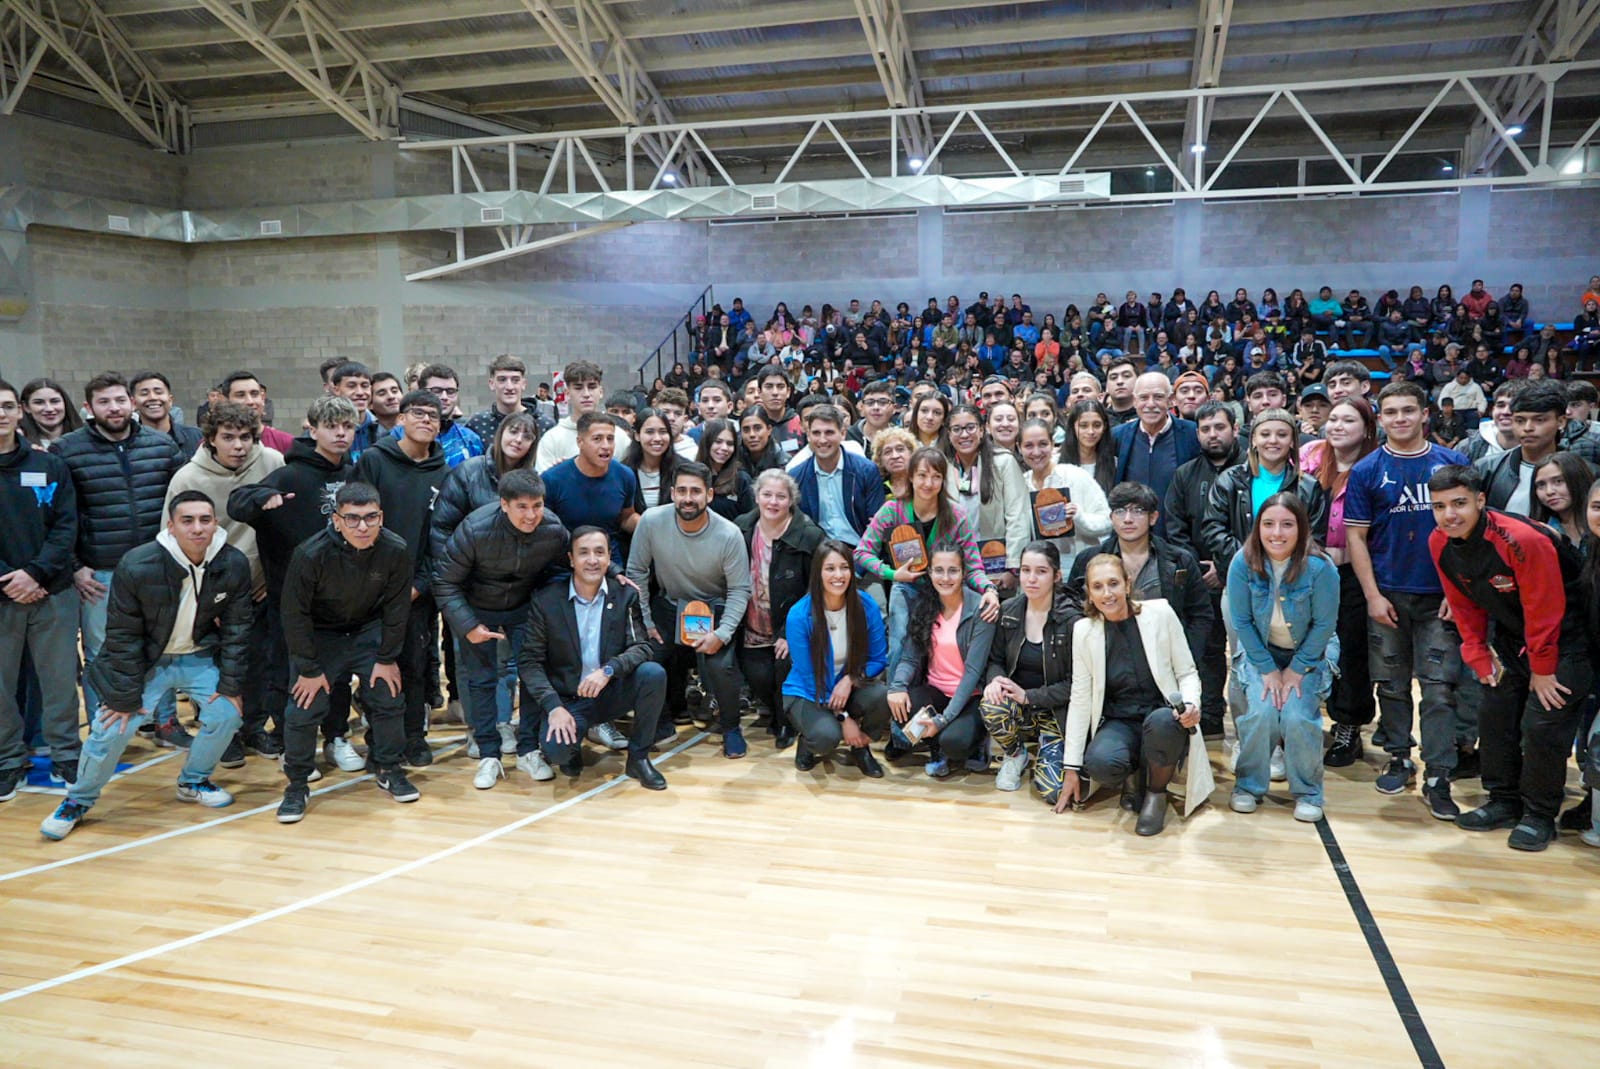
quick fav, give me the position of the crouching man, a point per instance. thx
(587, 660)
(178, 619)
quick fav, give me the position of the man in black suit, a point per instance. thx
(585, 661)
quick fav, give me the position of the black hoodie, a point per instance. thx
(38, 517)
(407, 488)
(313, 480)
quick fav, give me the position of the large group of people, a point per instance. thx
(1065, 556)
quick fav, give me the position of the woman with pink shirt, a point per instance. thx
(1350, 433)
(941, 668)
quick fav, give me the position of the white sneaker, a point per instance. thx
(1277, 769)
(489, 770)
(341, 753)
(537, 768)
(206, 793)
(608, 736)
(1307, 812)
(1009, 778)
(508, 738)
(1591, 837)
(315, 774)
(1243, 802)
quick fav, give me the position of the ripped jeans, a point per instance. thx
(1427, 649)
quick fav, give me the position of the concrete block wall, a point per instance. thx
(56, 156)
(281, 174)
(284, 345)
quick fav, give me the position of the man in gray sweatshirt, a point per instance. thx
(695, 555)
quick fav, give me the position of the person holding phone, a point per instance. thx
(1129, 659)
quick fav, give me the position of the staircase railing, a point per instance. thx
(653, 362)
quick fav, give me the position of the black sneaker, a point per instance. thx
(66, 771)
(1532, 834)
(233, 756)
(1397, 776)
(1492, 817)
(8, 785)
(1346, 749)
(1468, 763)
(1436, 792)
(1579, 817)
(262, 744)
(417, 754)
(292, 810)
(394, 782)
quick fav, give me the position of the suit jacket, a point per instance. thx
(551, 664)
(1171, 664)
(1185, 432)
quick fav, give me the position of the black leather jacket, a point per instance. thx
(1230, 513)
(789, 578)
(1009, 635)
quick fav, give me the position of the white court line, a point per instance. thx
(446, 750)
(337, 892)
(130, 770)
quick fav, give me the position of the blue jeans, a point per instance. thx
(1298, 724)
(92, 622)
(901, 596)
(644, 691)
(195, 673)
(489, 676)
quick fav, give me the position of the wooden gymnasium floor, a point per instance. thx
(753, 916)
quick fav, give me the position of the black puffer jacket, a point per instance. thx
(1009, 636)
(472, 485)
(145, 591)
(1230, 513)
(789, 579)
(121, 488)
(333, 586)
(490, 566)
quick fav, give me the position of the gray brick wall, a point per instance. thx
(56, 156)
(285, 345)
(752, 254)
(999, 244)
(645, 253)
(1336, 231)
(262, 263)
(278, 174)
(80, 341)
(104, 258)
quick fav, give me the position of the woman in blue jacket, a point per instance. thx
(838, 647)
(1284, 600)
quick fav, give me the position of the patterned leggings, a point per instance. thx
(1011, 725)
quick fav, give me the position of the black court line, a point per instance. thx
(1404, 1005)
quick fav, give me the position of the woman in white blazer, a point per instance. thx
(1129, 659)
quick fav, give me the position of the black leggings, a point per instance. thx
(1350, 702)
(961, 736)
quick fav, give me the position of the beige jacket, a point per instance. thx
(205, 474)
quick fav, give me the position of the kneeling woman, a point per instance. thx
(942, 667)
(837, 647)
(1030, 673)
(1128, 657)
(1284, 598)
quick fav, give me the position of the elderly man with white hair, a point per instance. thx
(1152, 448)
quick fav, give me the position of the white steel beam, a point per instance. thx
(20, 53)
(888, 39)
(467, 263)
(1205, 72)
(374, 111)
(92, 45)
(599, 51)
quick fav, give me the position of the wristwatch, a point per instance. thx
(841, 717)
(608, 670)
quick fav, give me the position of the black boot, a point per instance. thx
(861, 757)
(1580, 816)
(782, 732)
(1132, 796)
(1153, 813)
(804, 759)
(641, 769)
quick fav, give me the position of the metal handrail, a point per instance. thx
(703, 304)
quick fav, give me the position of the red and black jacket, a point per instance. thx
(1519, 577)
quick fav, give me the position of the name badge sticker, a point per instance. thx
(33, 479)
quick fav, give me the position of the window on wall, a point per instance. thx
(1412, 166)
(1256, 174)
(1128, 181)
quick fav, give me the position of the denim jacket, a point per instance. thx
(1310, 607)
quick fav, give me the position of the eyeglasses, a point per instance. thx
(424, 415)
(366, 519)
(1129, 512)
(965, 429)
(10, 408)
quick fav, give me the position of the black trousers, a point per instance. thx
(820, 728)
(1123, 746)
(422, 633)
(343, 655)
(1350, 702)
(961, 736)
(719, 675)
(764, 672)
(1214, 666)
(276, 679)
(1523, 745)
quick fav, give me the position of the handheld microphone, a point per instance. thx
(1176, 701)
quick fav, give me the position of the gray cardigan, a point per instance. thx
(973, 636)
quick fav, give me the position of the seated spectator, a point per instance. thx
(1466, 396)
(1417, 312)
(1585, 343)
(1395, 337)
(1478, 300)
(1514, 310)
